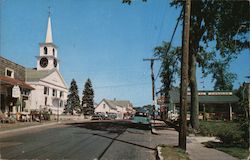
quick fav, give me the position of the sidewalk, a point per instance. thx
(195, 149)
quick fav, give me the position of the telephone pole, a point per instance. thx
(184, 75)
(153, 80)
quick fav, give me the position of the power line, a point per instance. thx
(161, 26)
(171, 40)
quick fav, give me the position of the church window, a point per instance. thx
(46, 90)
(53, 52)
(45, 101)
(45, 50)
(104, 106)
(61, 94)
(54, 93)
(61, 103)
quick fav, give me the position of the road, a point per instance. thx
(110, 140)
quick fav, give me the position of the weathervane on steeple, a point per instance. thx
(49, 11)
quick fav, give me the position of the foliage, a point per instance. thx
(243, 103)
(228, 132)
(149, 109)
(218, 31)
(222, 77)
(73, 101)
(87, 106)
(45, 114)
(170, 65)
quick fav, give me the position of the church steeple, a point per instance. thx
(49, 32)
(47, 58)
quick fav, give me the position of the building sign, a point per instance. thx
(16, 91)
(220, 93)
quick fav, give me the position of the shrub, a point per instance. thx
(229, 133)
(45, 115)
(209, 128)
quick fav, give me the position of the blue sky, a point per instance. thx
(105, 41)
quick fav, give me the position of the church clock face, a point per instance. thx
(55, 62)
(44, 62)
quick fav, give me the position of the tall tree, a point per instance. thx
(87, 106)
(218, 30)
(170, 66)
(73, 101)
(222, 77)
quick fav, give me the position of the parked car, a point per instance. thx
(141, 117)
(96, 117)
(111, 116)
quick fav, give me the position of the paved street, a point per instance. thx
(89, 140)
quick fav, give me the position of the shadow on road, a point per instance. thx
(117, 127)
(110, 126)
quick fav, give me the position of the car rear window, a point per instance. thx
(140, 114)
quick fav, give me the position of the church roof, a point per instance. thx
(49, 38)
(33, 75)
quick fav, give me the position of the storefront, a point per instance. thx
(217, 105)
(14, 94)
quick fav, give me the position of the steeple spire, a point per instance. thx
(49, 31)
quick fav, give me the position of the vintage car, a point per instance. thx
(141, 117)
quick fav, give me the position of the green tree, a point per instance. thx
(243, 94)
(87, 106)
(73, 101)
(218, 31)
(222, 77)
(170, 66)
(149, 109)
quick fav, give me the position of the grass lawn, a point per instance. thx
(235, 151)
(171, 153)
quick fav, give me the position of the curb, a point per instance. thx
(153, 131)
(28, 127)
(158, 153)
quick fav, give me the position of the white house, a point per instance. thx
(50, 88)
(122, 108)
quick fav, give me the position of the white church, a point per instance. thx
(50, 91)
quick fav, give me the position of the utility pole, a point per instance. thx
(153, 80)
(184, 75)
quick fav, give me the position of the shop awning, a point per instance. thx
(12, 81)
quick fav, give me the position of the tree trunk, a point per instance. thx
(194, 108)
